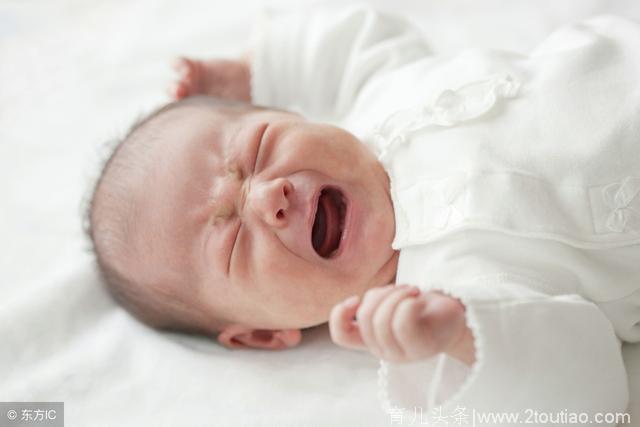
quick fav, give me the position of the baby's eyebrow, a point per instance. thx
(233, 170)
(222, 211)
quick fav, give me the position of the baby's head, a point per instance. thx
(219, 217)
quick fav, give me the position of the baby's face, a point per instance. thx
(272, 219)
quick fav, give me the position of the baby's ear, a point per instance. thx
(237, 336)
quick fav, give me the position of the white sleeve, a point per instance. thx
(317, 62)
(535, 354)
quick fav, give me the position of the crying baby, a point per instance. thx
(471, 220)
(246, 222)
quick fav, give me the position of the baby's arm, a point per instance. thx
(402, 324)
(315, 62)
(528, 351)
(223, 78)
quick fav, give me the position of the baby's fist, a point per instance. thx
(228, 79)
(401, 324)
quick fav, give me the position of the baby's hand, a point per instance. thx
(228, 79)
(401, 324)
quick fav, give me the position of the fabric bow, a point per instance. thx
(622, 198)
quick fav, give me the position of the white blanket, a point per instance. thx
(74, 74)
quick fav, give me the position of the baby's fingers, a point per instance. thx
(382, 322)
(344, 331)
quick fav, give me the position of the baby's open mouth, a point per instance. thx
(328, 225)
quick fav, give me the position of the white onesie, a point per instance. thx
(515, 180)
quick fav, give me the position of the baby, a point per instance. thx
(480, 218)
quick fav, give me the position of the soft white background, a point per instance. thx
(76, 73)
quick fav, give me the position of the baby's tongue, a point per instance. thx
(332, 224)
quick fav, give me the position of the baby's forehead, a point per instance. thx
(152, 191)
(195, 123)
(183, 118)
(205, 105)
(187, 150)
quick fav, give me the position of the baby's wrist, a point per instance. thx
(463, 349)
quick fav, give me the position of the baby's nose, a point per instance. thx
(270, 201)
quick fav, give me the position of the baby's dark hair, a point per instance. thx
(108, 223)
